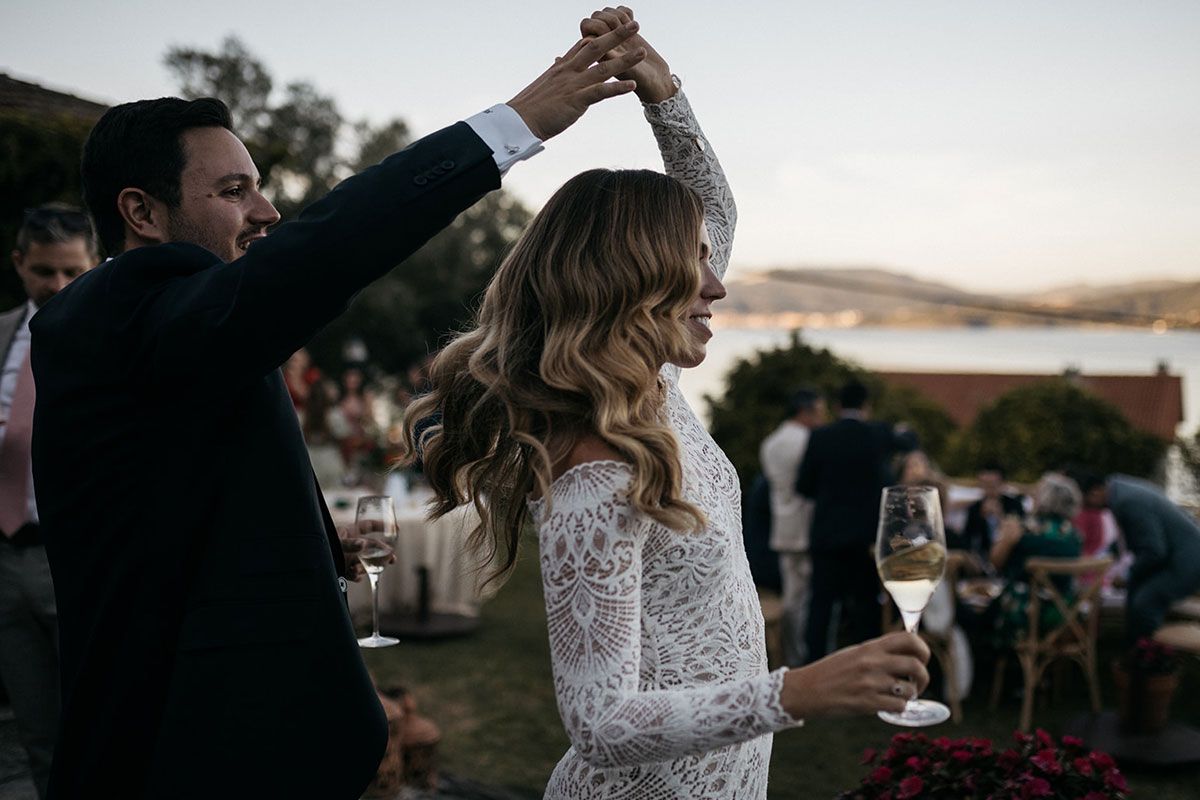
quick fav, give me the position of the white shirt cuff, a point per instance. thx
(506, 134)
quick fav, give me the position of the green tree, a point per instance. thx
(758, 389)
(298, 143)
(1050, 425)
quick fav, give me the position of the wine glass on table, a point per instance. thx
(375, 521)
(910, 552)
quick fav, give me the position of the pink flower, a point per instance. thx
(881, 775)
(1102, 761)
(1083, 766)
(1095, 796)
(961, 756)
(1113, 779)
(869, 756)
(1008, 760)
(910, 787)
(1036, 787)
(1072, 741)
(1044, 739)
(942, 742)
(1047, 761)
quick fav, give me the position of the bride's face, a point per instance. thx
(699, 322)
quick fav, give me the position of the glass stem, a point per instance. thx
(374, 602)
(911, 620)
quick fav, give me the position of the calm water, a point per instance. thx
(1023, 350)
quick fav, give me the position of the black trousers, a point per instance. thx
(848, 578)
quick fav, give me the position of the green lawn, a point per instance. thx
(491, 693)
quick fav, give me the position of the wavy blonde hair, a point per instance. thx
(572, 332)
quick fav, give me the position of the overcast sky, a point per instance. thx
(991, 144)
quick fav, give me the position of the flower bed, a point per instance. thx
(915, 766)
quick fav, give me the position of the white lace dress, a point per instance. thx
(656, 636)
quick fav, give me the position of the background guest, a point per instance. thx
(791, 514)
(845, 466)
(985, 514)
(1165, 543)
(55, 245)
(1049, 533)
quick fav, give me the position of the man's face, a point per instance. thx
(221, 207)
(813, 417)
(45, 269)
(991, 482)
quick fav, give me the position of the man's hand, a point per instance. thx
(652, 75)
(351, 546)
(879, 675)
(561, 94)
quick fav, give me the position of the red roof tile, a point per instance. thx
(1151, 403)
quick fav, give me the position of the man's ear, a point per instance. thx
(17, 259)
(145, 217)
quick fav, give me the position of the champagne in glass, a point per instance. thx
(375, 521)
(910, 552)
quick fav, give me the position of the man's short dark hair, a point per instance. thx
(805, 398)
(994, 466)
(853, 395)
(1086, 478)
(138, 145)
(54, 223)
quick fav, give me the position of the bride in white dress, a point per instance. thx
(562, 406)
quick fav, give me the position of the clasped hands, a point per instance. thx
(610, 47)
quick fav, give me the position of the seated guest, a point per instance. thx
(1164, 540)
(985, 514)
(1048, 533)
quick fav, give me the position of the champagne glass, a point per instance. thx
(375, 521)
(910, 552)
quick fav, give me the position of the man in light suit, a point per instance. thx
(206, 646)
(55, 245)
(791, 514)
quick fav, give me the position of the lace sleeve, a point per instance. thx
(591, 556)
(688, 156)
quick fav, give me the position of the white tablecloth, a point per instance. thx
(455, 574)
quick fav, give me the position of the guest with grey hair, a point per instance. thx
(1049, 532)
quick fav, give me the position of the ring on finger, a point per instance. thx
(899, 689)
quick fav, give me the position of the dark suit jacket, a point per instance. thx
(845, 467)
(206, 646)
(976, 535)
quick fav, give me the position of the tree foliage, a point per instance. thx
(303, 146)
(1051, 425)
(39, 163)
(758, 389)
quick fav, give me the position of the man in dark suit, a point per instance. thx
(206, 646)
(846, 465)
(985, 514)
(55, 245)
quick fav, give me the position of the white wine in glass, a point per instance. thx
(910, 552)
(375, 521)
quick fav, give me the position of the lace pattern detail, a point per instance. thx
(656, 636)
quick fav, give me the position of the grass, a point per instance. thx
(492, 695)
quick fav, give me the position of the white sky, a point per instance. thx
(997, 145)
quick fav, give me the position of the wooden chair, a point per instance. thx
(1074, 638)
(941, 644)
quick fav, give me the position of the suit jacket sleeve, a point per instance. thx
(238, 321)
(806, 476)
